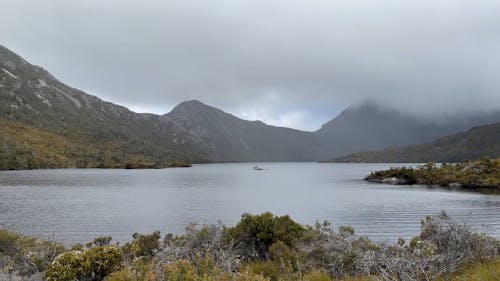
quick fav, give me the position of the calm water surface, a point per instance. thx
(79, 205)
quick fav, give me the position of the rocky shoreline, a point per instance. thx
(482, 175)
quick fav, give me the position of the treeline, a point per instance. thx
(482, 174)
(23, 147)
(259, 248)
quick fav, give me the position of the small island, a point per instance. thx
(474, 175)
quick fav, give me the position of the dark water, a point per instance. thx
(79, 205)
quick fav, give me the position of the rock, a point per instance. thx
(395, 180)
(390, 180)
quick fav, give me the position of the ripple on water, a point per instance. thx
(79, 205)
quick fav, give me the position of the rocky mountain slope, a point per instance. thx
(229, 138)
(99, 133)
(478, 142)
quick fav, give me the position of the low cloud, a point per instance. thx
(293, 63)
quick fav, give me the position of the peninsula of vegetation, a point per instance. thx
(473, 175)
(259, 248)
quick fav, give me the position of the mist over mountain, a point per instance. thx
(369, 126)
(268, 60)
(476, 143)
(41, 116)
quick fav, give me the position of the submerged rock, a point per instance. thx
(391, 180)
(454, 185)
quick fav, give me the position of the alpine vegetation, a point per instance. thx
(261, 247)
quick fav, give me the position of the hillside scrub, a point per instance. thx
(259, 248)
(25, 147)
(482, 174)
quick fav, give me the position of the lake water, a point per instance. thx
(78, 205)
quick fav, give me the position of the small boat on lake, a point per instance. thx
(257, 168)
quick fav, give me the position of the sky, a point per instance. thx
(286, 62)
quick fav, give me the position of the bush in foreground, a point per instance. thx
(91, 265)
(262, 248)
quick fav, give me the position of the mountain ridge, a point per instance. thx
(112, 134)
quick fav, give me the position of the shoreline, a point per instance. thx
(477, 176)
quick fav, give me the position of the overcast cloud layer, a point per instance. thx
(287, 62)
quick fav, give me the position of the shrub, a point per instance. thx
(181, 270)
(102, 241)
(267, 269)
(66, 267)
(27, 255)
(145, 245)
(284, 257)
(254, 234)
(123, 275)
(92, 265)
(9, 242)
(77, 247)
(142, 245)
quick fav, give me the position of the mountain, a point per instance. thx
(478, 142)
(41, 117)
(47, 124)
(368, 126)
(228, 138)
(96, 133)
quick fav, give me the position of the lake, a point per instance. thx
(77, 205)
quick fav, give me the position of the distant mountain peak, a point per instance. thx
(192, 103)
(192, 107)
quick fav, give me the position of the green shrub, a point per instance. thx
(9, 242)
(77, 247)
(145, 245)
(66, 267)
(27, 255)
(123, 275)
(284, 257)
(142, 245)
(93, 264)
(102, 241)
(254, 234)
(181, 270)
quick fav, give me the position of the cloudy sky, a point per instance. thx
(286, 62)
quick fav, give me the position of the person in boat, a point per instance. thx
(257, 168)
